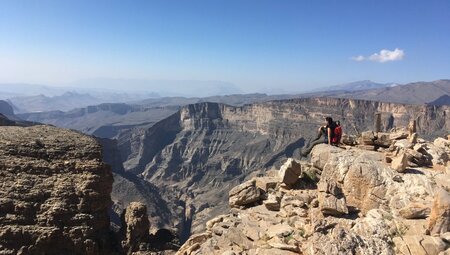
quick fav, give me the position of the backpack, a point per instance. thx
(337, 133)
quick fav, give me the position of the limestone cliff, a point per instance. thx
(54, 192)
(195, 156)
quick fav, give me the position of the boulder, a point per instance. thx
(361, 176)
(383, 140)
(245, 194)
(439, 221)
(442, 143)
(290, 171)
(265, 183)
(349, 139)
(400, 133)
(415, 211)
(400, 163)
(367, 138)
(436, 154)
(331, 198)
(403, 144)
(416, 158)
(273, 202)
(329, 204)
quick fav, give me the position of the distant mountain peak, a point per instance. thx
(356, 86)
(6, 108)
(442, 100)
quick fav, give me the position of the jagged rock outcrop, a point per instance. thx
(245, 194)
(135, 227)
(360, 205)
(54, 193)
(290, 171)
(440, 213)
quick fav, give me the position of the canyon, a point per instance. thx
(181, 168)
(191, 159)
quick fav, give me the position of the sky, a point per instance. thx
(257, 45)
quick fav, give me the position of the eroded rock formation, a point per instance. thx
(54, 192)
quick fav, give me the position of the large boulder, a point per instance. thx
(266, 183)
(245, 194)
(383, 140)
(437, 154)
(399, 133)
(321, 154)
(415, 211)
(367, 138)
(349, 140)
(439, 221)
(400, 162)
(273, 202)
(331, 198)
(442, 143)
(416, 158)
(290, 171)
(360, 175)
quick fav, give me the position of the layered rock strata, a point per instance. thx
(54, 192)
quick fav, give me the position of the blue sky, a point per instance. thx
(257, 45)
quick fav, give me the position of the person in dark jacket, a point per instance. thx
(324, 135)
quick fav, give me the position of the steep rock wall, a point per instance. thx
(54, 192)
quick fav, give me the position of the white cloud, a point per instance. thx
(383, 56)
(359, 58)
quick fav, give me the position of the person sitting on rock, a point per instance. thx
(325, 134)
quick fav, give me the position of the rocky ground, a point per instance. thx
(387, 195)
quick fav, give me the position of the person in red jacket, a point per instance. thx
(325, 134)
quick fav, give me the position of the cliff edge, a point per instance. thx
(344, 200)
(54, 192)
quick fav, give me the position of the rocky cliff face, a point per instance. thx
(195, 156)
(343, 200)
(54, 192)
